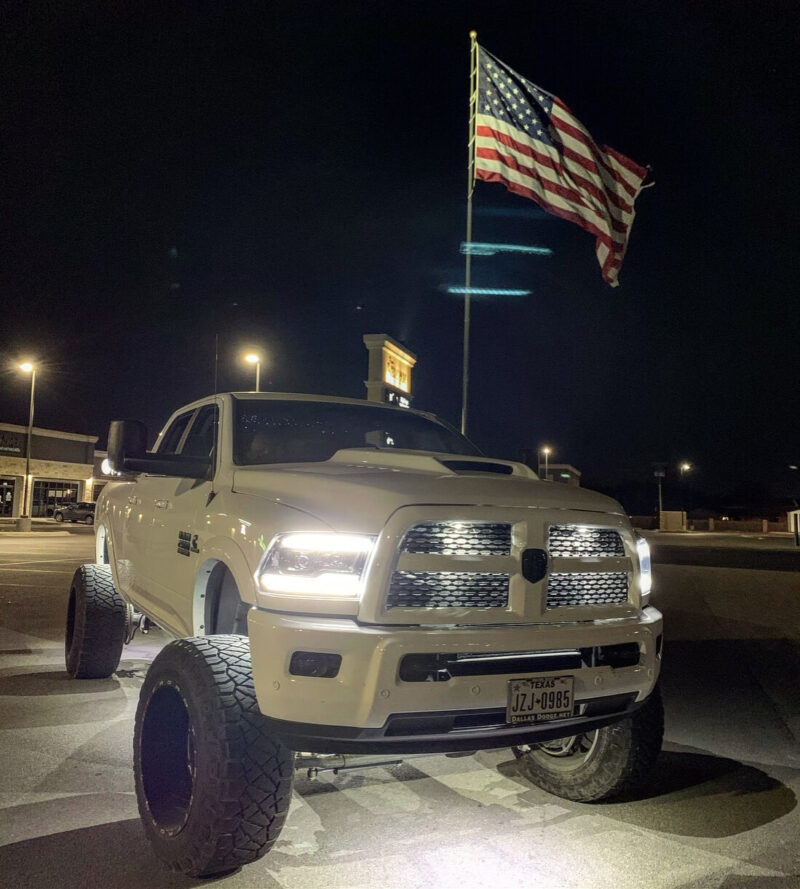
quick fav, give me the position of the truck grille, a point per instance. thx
(447, 589)
(459, 539)
(609, 588)
(577, 541)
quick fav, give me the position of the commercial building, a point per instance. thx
(564, 473)
(64, 468)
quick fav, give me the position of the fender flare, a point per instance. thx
(220, 550)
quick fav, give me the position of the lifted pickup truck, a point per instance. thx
(348, 578)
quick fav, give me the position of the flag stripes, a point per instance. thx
(528, 140)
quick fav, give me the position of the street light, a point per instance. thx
(684, 468)
(29, 368)
(252, 358)
(546, 451)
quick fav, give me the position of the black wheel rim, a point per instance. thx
(568, 754)
(168, 759)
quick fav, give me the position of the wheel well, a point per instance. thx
(101, 546)
(223, 611)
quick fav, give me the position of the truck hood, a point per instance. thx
(359, 489)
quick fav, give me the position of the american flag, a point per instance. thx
(530, 141)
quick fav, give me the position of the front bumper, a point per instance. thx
(367, 706)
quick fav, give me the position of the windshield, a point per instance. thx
(312, 431)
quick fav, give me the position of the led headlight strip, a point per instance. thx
(645, 572)
(310, 564)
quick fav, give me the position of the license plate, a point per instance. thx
(540, 699)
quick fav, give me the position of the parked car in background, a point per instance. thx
(75, 512)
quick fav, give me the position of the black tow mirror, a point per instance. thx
(127, 439)
(127, 452)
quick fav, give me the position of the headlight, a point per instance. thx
(645, 573)
(316, 565)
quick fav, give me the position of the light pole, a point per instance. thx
(684, 468)
(252, 358)
(546, 451)
(30, 368)
(659, 474)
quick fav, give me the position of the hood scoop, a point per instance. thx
(428, 461)
(478, 466)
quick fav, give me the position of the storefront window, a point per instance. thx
(6, 496)
(49, 493)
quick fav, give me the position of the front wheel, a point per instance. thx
(96, 624)
(59, 517)
(601, 764)
(213, 784)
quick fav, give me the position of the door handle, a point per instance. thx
(162, 504)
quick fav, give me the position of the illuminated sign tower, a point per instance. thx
(389, 374)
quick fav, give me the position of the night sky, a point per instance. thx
(293, 175)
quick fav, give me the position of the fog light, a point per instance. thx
(315, 663)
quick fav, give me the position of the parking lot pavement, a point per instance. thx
(752, 551)
(722, 811)
(44, 526)
(774, 541)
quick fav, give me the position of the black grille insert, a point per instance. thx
(575, 541)
(603, 588)
(447, 589)
(458, 539)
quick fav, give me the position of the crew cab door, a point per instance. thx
(175, 535)
(134, 566)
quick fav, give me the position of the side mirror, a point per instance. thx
(127, 452)
(126, 439)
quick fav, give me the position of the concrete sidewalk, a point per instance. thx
(43, 526)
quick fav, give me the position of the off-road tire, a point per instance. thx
(212, 782)
(95, 631)
(617, 761)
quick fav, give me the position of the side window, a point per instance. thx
(200, 440)
(172, 437)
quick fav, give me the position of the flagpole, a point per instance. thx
(473, 110)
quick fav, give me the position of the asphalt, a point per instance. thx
(721, 812)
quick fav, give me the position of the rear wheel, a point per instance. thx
(89, 520)
(96, 617)
(601, 764)
(213, 784)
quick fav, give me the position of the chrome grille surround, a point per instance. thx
(600, 588)
(458, 538)
(584, 541)
(447, 589)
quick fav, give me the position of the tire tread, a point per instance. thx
(629, 752)
(249, 790)
(99, 624)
